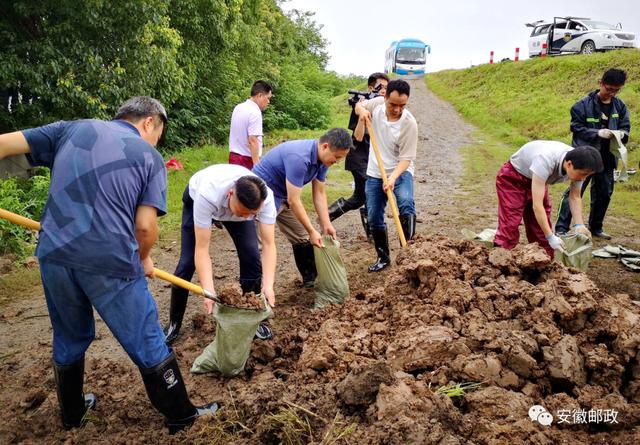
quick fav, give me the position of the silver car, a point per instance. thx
(577, 35)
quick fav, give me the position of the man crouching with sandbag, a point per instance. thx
(233, 196)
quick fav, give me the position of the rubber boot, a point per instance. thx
(408, 223)
(306, 263)
(381, 241)
(167, 393)
(337, 209)
(179, 298)
(364, 218)
(264, 331)
(73, 403)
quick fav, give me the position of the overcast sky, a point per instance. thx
(460, 32)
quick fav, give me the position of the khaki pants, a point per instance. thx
(290, 226)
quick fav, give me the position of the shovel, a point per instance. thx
(166, 276)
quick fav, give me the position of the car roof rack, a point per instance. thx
(569, 17)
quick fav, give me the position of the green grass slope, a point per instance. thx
(512, 103)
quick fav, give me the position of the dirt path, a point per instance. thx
(277, 380)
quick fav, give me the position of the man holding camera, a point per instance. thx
(358, 158)
(592, 119)
(396, 132)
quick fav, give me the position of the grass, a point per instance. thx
(459, 389)
(513, 103)
(18, 284)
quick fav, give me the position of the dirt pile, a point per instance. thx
(230, 294)
(449, 312)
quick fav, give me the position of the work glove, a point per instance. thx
(580, 228)
(605, 133)
(555, 242)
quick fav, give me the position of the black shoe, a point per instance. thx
(264, 332)
(73, 403)
(408, 223)
(602, 234)
(381, 241)
(337, 209)
(305, 262)
(561, 233)
(179, 298)
(167, 393)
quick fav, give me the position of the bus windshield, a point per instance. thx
(410, 55)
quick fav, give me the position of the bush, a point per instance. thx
(25, 198)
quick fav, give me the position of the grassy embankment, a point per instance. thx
(513, 103)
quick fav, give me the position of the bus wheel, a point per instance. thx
(588, 47)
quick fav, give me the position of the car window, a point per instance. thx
(576, 26)
(561, 24)
(542, 29)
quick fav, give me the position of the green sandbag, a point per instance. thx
(230, 349)
(331, 286)
(577, 251)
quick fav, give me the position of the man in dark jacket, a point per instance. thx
(592, 119)
(356, 163)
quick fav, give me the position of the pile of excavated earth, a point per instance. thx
(524, 330)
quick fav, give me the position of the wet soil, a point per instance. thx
(448, 312)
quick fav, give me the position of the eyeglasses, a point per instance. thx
(611, 90)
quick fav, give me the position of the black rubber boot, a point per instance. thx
(364, 218)
(179, 298)
(168, 395)
(337, 209)
(408, 223)
(73, 403)
(381, 241)
(306, 263)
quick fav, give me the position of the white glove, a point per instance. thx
(580, 228)
(555, 242)
(605, 133)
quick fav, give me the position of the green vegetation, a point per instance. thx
(70, 60)
(459, 389)
(513, 103)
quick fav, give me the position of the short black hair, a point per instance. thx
(614, 76)
(398, 85)
(585, 157)
(338, 139)
(251, 191)
(371, 81)
(260, 86)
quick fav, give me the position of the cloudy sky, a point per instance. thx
(460, 32)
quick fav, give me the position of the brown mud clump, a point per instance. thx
(230, 294)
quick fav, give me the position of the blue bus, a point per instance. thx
(406, 56)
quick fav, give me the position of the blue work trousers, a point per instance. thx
(377, 199)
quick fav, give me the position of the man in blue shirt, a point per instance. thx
(286, 168)
(108, 186)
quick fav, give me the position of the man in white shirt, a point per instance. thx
(245, 132)
(234, 196)
(523, 192)
(396, 133)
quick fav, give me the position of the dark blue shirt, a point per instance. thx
(293, 161)
(100, 173)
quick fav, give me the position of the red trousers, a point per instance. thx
(238, 159)
(516, 204)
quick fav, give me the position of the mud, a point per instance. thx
(367, 372)
(230, 294)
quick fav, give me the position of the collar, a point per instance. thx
(127, 126)
(314, 152)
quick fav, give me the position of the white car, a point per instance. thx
(577, 35)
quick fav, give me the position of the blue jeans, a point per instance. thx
(125, 305)
(377, 199)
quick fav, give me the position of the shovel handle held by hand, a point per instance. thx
(166, 276)
(390, 196)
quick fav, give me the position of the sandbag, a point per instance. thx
(485, 237)
(577, 251)
(331, 286)
(230, 349)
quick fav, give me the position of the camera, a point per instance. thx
(356, 96)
